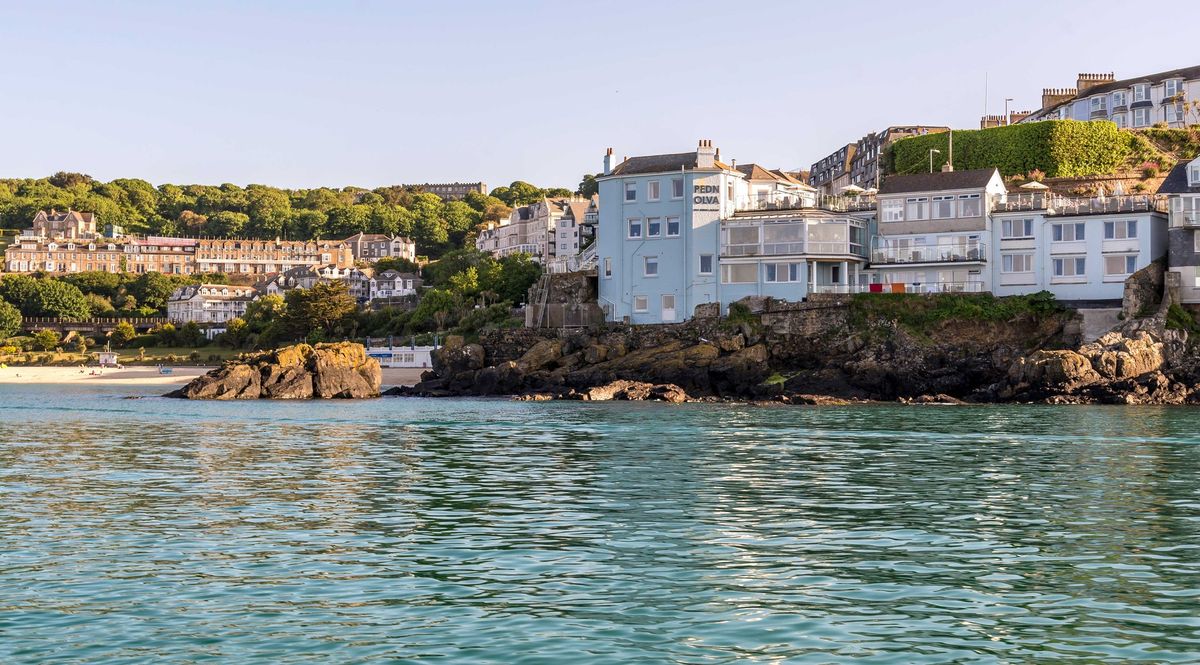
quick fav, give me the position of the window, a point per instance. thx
(1120, 265)
(1120, 99)
(1174, 112)
(1171, 88)
(640, 303)
(1120, 230)
(652, 190)
(650, 266)
(943, 207)
(1068, 232)
(969, 205)
(916, 208)
(781, 272)
(677, 188)
(1017, 263)
(706, 264)
(1119, 120)
(1096, 104)
(1016, 228)
(635, 228)
(1194, 175)
(653, 227)
(893, 210)
(608, 266)
(1141, 92)
(672, 227)
(1070, 267)
(631, 191)
(739, 273)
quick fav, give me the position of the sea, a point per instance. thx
(139, 529)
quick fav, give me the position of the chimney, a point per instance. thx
(706, 155)
(1086, 82)
(1056, 96)
(608, 162)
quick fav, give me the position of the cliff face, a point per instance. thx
(781, 351)
(324, 371)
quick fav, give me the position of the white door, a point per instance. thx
(668, 308)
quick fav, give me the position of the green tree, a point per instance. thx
(466, 283)
(437, 305)
(588, 187)
(518, 272)
(226, 224)
(324, 309)
(122, 334)
(10, 320)
(269, 210)
(60, 300)
(395, 263)
(460, 218)
(99, 305)
(264, 311)
(20, 291)
(557, 193)
(153, 289)
(236, 331)
(46, 340)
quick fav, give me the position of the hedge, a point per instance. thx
(1060, 148)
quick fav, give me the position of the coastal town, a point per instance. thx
(1105, 187)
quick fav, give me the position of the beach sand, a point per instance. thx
(149, 376)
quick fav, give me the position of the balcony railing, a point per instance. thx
(827, 248)
(1187, 219)
(1053, 204)
(927, 287)
(802, 200)
(931, 254)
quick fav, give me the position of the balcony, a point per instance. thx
(1188, 219)
(805, 199)
(1052, 204)
(927, 287)
(791, 238)
(959, 253)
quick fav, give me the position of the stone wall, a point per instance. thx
(563, 300)
(1144, 290)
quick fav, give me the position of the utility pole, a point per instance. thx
(931, 151)
(1006, 116)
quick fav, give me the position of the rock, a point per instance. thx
(635, 391)
(934, 399)
(340, 370)
(595, 353)
(540, 355)
(458, 358)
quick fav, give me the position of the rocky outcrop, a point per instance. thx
(324, 371)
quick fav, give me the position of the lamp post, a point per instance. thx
(931, 151)
(1006, 116)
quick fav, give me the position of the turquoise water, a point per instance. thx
(491, 531)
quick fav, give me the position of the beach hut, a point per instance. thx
(107, 358)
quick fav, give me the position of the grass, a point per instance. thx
(157, 355)
(919, 312)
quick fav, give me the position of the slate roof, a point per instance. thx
(678, 161)
(1177, 182)
(1186, 73)
(930, 182)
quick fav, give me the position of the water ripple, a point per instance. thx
(490, 531)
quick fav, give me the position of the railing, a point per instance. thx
(805, 199)
(927, 287)
(930, 253)
(1188, 218)
(839, 288)
(1053, 204)
(815, 247)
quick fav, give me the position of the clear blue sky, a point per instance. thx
(299, 94)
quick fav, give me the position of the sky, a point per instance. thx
(304, 94)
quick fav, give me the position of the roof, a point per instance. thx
(1184, 73)
(1177, 182)
(929, 182)
(678, 161)
(578, 209)
(235, 292)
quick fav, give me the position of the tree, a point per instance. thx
(518, 272)
(191, 223)
(10, 320)
(269, 210)
(395, 263)
(46, 340)
(588, 187)
(437, 305)
(153, 289)
(519, 193)
(122, 334)
(466, 283)
(324, 308)
(21, 292)
(558, 193)
(60, 300)
(99, 305)
(68, 180)
(460, 218)
(226, 224)
(236, 331)
(264, 311)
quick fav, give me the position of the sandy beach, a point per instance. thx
(149, 376)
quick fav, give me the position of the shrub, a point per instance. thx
(1179, 318)
(1150, 169)
(46, 340)
(123, 333)
(1056, 148)
(1037, 175)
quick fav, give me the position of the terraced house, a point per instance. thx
(685, 229)
(1182, 189)
(1170, 97)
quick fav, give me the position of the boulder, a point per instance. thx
(634, 391)
(326, 371)
(540, 355)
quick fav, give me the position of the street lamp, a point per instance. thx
(1006, 116)
(931, 151)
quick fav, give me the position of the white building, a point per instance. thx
(209, 303)
(1079, 249)
(1182, 189)
(533, 230)
(402, 356)
(371, 247)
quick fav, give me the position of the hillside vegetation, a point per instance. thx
(1057, 148)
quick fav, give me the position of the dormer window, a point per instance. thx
(1194, 174)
